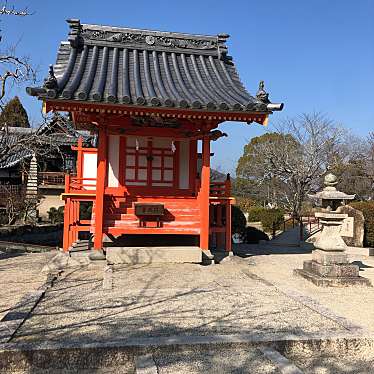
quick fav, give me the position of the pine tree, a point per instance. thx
(14, 114)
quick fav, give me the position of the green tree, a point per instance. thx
(14, 114)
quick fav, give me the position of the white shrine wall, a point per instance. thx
(113, 160)
(89, 169)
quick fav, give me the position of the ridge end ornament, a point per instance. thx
(51, 81)
(75, 35)
(261, 94)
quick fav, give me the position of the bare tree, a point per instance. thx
(40, 142)
(370, 161)
(14, 69)
(294, 159)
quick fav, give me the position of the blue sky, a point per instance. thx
(314, 55)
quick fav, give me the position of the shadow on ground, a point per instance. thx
(247, 250)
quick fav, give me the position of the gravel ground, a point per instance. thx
(238, 361)
(345, 364)
(167, 300)
(21, 274)
(241, 296)
(108, 370)
(354, 303)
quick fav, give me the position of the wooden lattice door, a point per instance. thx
(150, 162)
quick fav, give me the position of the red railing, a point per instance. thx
(51, 178)
(302, 222)
(75, 184)
(311, 221)
(221, 189)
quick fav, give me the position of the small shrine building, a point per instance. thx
(150, 97)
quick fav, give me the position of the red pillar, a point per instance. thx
(228, 226)
(100, 186)
(79, 158)
(204, 195)
(66, 243)
(228, 213)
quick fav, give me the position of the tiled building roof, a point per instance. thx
(148, 68)
(58, 131)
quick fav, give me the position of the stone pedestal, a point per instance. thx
(329, 266)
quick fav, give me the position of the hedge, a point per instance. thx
(367, 209)
(268, 217)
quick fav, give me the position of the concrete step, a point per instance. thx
(79, 246)
(80, 243)
(148, 255)
(135, 223)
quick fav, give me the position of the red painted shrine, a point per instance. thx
(154, 100)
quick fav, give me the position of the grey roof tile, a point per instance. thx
(147, 68)
(59, 131)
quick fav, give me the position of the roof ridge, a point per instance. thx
(81, 34)
(152, 31)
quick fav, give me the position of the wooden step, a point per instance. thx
(132, 217)
(131, 210)
(148, 230)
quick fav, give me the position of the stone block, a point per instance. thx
(332, 271)
(148, 255)
(358, 226)
(330, 258)
(96, 255)
(108, 278)
(332, 282)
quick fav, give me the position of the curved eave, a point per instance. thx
(129, 110)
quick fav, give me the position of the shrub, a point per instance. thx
(268, 217)
(85, 209)
(255, 214)
(272, 217)
(56, 215)
(367, 209)
(253, 235)
(239, 221)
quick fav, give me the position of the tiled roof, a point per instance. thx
(148, 68)
(58, 131)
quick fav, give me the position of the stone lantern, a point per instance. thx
(330, 197)
(329, 265)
